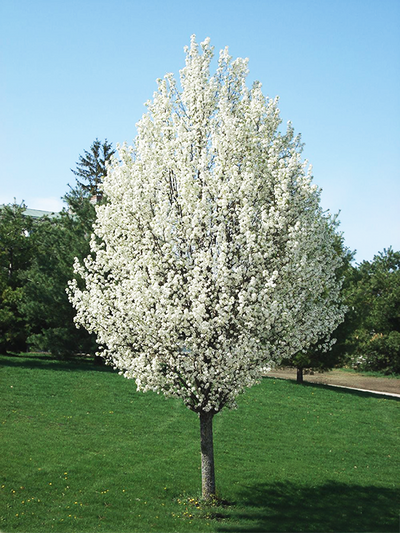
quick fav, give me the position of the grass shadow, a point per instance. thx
(48, 362)
(332, 507)
(338, 389)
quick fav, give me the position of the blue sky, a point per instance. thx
(73, 71)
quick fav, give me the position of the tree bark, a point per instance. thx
(299, 375)
(207, 455)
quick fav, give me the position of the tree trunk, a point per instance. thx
(299, 375)
(207, 455)
(98, 360)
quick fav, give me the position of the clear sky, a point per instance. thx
(72, 71)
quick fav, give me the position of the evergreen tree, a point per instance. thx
(92, 168)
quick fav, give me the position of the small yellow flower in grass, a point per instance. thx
(50, 483)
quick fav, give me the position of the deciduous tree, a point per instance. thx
(374, 299)
(16, 251)
(212, 257)
(316, 358)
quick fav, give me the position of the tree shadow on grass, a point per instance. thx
(338, 389)
(333, 507)
(49, 362)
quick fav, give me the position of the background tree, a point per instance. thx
(315, 358)
(16, 251)
(92, 168)
(212, 256)
(374, 299)
(45, 304)
(36, 261)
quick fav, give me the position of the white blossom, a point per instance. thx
(212, 258)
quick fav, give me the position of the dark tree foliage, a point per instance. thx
(36, 262)
(374, 299)
(82, 210)
(57, 242)
(16, 252)
(15, 248)
(45, 304)
(92, 167)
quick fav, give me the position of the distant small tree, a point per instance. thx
(92, 168)
(212, 256)
(317, 359)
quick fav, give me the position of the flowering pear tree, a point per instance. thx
(211, 258)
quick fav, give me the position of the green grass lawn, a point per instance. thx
(82, 451)
(369, 373)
